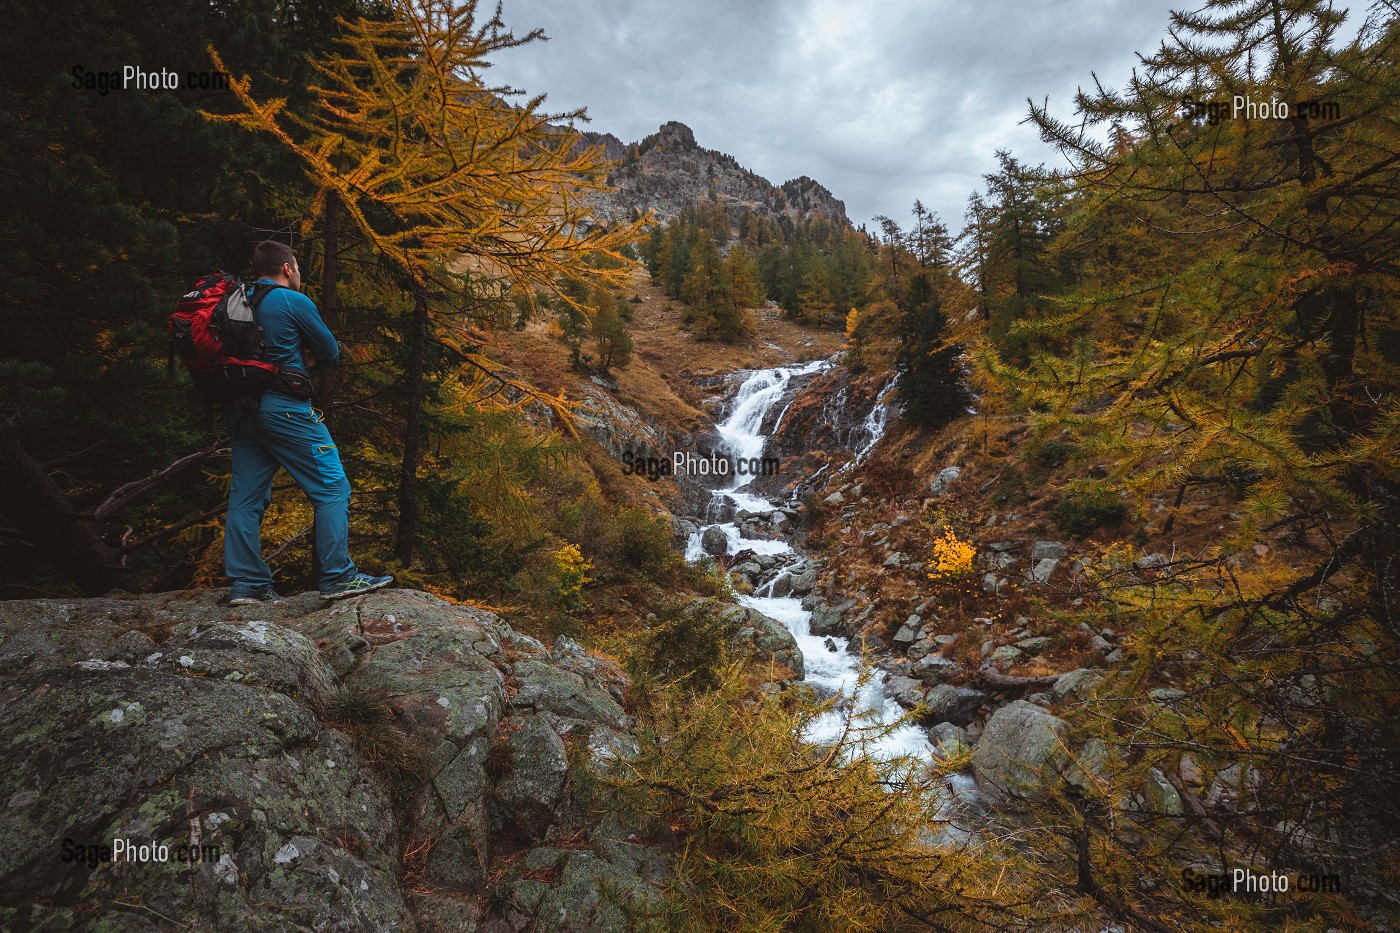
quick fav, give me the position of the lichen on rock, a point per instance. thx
(334, 766)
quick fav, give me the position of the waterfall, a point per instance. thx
(875, 422)
(832, 672)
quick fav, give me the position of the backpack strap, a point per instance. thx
(260, 291)
(288, 382)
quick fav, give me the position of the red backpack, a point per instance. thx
(215, 331)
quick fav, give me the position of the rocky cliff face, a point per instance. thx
(392, 763)
(826, 424)
(669, 170)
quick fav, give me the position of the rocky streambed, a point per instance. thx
(1016, 744)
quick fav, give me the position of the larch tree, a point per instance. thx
(1236, 330)
(467, 197)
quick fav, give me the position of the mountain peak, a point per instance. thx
(675, 131)
(669, 170)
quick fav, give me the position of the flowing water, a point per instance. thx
(831, 671)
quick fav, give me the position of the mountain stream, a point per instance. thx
(831, 666)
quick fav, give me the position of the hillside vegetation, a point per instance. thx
(1125, 551)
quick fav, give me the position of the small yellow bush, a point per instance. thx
(570, 571)
(951, 557)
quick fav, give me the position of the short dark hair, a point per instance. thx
(269, 257)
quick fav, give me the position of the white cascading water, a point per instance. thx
(875, 422)
(833, 672)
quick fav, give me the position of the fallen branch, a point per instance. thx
(129, 492)
(187, 523)
(992, 677)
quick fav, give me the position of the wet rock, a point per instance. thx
(935, 669)
(948, 739)
(828, 619)
(763, 639)
(682, 529)
(1020, 751)
(957, 705)
(906, 691)
(714, 541)
(834, 499)
(804, 580)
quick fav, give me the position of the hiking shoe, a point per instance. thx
(265, 595)
(355, 586)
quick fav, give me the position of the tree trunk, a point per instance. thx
(413, 429)
(43, 513)
(327, 380)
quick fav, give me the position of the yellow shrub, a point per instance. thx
(951, 557)
(570, 571)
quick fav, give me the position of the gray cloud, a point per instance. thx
(883, 102)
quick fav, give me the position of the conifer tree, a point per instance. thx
(931, 384)
(465, 195)
(814, 300)
(613, 342)
(1216, 344)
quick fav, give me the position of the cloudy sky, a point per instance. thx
(883, 101)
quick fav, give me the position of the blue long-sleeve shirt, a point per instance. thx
(290, 322)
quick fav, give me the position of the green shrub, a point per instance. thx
(1010, 489)
(779, 833)
(685, 643)
(642, 543)
(1084, 508)
(1056, 452)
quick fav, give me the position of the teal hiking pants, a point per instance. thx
(286, 433)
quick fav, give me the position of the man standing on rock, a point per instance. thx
(281, 429)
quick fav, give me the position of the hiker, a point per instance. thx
(279, 428)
